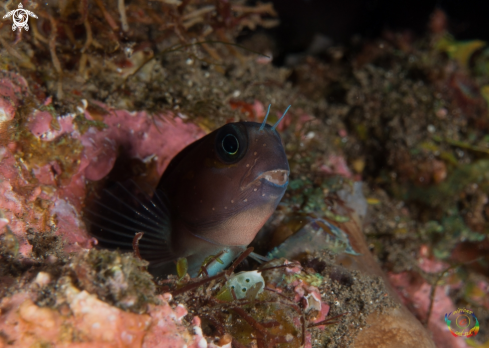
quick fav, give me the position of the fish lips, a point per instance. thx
(276, 178)
(272, 183)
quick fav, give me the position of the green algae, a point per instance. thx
(461, 51)
(64, 150)
(448, 192)
(84, 124)
(312, 198)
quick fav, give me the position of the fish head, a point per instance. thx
(252, 159)
(226, 185)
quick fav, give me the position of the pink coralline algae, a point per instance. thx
(292, 278)
(156, 138)
(11, 94)
(335, 164)
(82, 320)
(415, 294)
(143, 136)
(43, 174)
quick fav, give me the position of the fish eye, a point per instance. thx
(230, 144)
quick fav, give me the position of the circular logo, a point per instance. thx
(20, 17)
(462, 323)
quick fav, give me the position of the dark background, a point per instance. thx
(340, 20)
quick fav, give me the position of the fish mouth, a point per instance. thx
(278, 177)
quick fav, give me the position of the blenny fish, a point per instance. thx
(212, 200)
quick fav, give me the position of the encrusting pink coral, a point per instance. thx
(82, 320)
(415, 294)
(11, 93)
(149, 138)
(33, 197)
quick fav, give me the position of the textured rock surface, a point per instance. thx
(82, 320)
(43, 180)
(395, 327)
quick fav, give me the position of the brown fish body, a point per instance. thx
(212, 199)
(220, 201)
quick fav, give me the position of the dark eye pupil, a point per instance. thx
(230, 144)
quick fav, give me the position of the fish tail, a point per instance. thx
(119, 212)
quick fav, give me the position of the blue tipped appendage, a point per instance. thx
(281, 118)
(276, 124)
(265, 120)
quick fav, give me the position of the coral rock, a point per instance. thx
(395, 327)
(85, 321)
